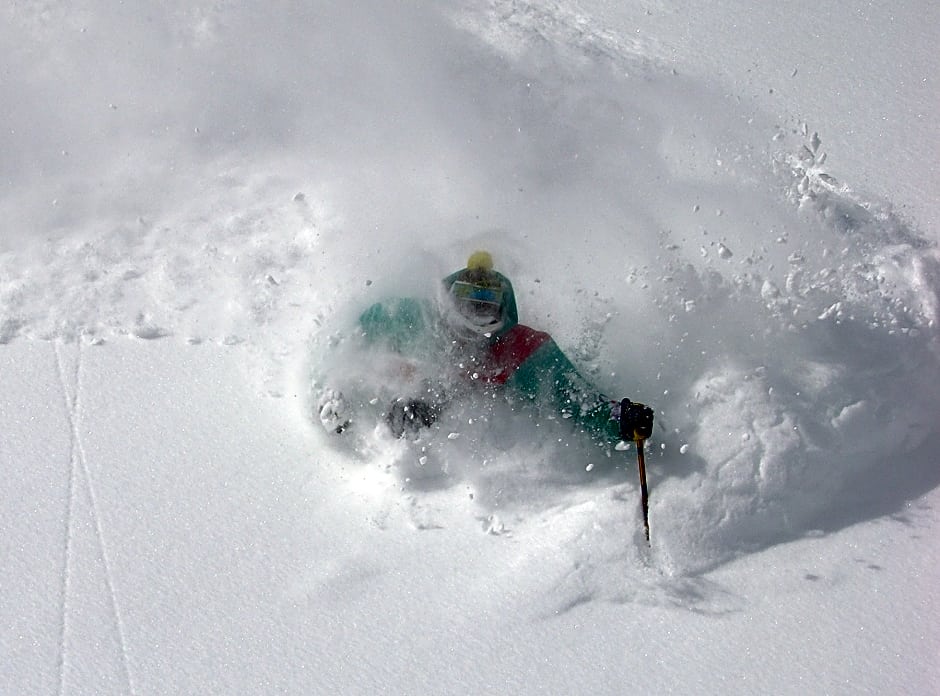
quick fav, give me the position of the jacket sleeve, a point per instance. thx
(548, 373)
(400, 324)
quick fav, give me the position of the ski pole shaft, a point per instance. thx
(644, 492)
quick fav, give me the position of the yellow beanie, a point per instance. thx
(480, 260)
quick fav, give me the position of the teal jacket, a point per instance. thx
(519, 358)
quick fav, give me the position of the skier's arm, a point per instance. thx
(549, 372)
(400, 323)
(391, 331)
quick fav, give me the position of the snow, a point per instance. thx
(727, 213)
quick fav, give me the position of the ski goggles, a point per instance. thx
(476, 300)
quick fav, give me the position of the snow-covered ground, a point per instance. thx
(728, 213)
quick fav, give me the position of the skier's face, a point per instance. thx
(479, 304)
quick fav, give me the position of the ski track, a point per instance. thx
(68, 532)
(78, 462)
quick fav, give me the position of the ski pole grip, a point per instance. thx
(636, 421)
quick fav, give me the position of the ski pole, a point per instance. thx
(636, 423)
(644, 492)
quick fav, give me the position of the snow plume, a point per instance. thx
(811, 388)
(683, 248)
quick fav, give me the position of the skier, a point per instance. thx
(474, 342)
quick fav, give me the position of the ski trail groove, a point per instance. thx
(79, 462)
(68, 531)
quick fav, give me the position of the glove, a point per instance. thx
(410, 415)
(636, 421)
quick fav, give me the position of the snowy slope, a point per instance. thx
(219, 190)
(193, 542)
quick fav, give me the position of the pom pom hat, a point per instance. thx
(480, 261)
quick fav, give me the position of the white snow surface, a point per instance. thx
(725, 211)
